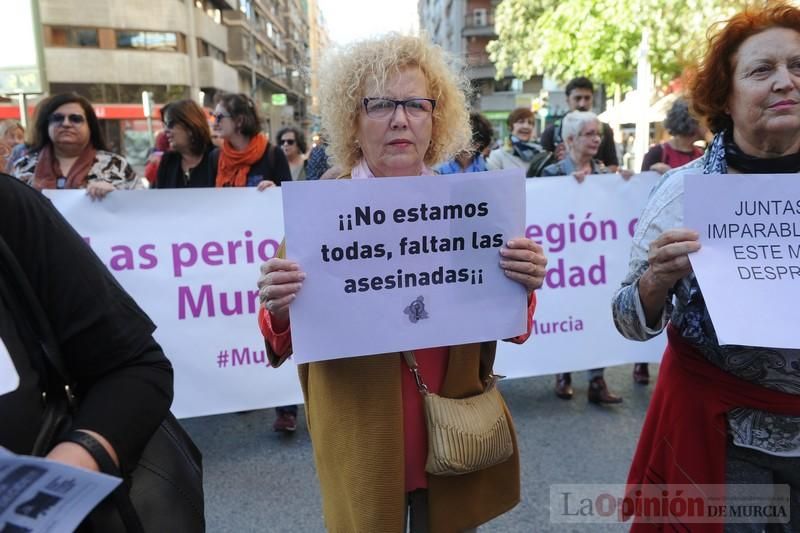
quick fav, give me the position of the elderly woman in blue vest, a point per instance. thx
(582, 134)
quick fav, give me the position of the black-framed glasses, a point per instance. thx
(382, 108)
(290, 142)
(219, 116)
(73, 118)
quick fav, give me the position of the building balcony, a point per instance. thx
(216, 74)
(239, 41)
(479, 66)
(478, 24)
(70, 65)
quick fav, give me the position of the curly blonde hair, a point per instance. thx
(344, 77)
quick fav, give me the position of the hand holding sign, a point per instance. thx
(278, 285)
(669, 262)
(523, 261)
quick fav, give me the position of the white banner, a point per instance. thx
(749, 256)
(403, 263)
(586, 230)
(190, 258)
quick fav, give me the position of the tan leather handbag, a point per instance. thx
(466, 434)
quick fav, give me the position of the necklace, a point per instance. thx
(187, 168)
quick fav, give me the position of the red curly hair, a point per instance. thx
(711, 84)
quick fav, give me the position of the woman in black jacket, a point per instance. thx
(189, 161)
(124, 381)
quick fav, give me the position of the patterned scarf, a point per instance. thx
(48, 173)
(724, 151)
(524, 150)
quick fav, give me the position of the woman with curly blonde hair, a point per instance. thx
(392, 106)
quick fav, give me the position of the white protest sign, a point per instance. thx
(42, 496)
(9, 378)
(190, 258)
(403, 263)
(749, 262)
(586, 231)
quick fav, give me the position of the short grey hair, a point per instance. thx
(679, 121)
(574, 121)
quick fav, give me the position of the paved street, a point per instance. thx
(259, 481)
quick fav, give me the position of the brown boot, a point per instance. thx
(564, 386)
(641, 374)
(599, 393)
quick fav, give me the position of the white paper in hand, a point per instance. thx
(9, 379)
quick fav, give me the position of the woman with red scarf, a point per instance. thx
(68, 151)
(247, 158)
(721, 415)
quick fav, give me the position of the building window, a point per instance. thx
(148, 40)
(62, 36)
(208, 8)
(246, 7)
(206, 49)
(106, 93)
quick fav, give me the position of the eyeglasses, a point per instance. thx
(381, 108)
(169, 124)
(290, 142)
(596, 134)
(219, 116)
(73, 118)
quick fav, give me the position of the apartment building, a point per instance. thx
(464, 28)
(268, 47)
(319, 41)
(110, 51)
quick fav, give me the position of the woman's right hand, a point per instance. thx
(668, 260)
(263, 185)
(661, 168)
(278, 286)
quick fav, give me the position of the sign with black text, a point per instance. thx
(749, 263)
(403, 263)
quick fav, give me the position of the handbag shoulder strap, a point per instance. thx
(39, 322)
(490, 380)
(411, 361)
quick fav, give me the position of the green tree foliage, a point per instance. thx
(600, 38)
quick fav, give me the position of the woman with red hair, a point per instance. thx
(721, 414)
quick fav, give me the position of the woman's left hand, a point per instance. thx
(524, 261)
(98, 190)
(265, 184)
(625, 173)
